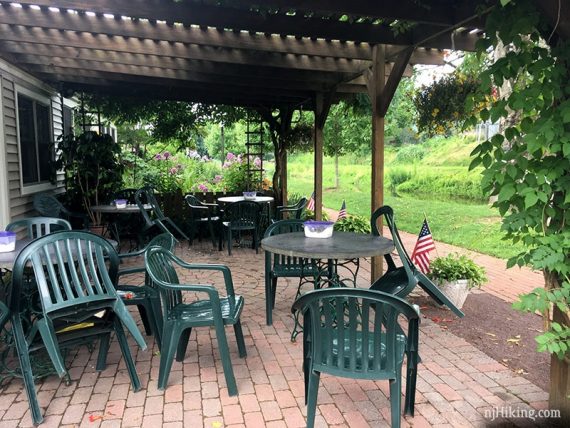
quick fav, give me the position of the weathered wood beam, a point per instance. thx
(132, 45)
(394, 79)
(178, 33)
(282, 24)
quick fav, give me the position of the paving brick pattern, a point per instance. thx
(456, 385)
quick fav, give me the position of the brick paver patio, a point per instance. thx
(457, 383)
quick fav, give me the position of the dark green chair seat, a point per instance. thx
(280, 266)
(145, 297)
(400, 281)
(355, 333)
(75, 275)
(181, 316)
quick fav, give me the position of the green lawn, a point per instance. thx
(472, 226)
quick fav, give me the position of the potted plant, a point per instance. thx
(92, 170)
(456, 274)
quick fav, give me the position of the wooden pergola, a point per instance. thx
(272, 54)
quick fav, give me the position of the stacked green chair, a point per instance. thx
(400, 281)
(75, 273)
(146, 297)
(180, 316)
(201, 214)
(36, 227)
(240, 217)
(155, 218)
(49, 206)
(354, 333)
(280, 266)
(294, 211)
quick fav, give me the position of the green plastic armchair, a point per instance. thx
(75, 274)
(146, 297)
(49, 206)
(36, 227)
(155, 218)
(201, 214)
(280, 266)
(180, 316)
(239, 217)
(353, 333)
(294, 211)
(400, 281)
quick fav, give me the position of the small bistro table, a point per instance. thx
(113, 210)
(340, 250)
(259, 199)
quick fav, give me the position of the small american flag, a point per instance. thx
(424, 245)
(311, 203)
(342, 212)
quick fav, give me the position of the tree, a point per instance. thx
(527, 166)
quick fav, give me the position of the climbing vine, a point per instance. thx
(527, 165)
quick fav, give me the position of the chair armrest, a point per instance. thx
(210, 290)
(130, 271)
(228, 281)
(136, 253)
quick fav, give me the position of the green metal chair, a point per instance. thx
(75, 273)
(49, 206)
(280, 266)
(239, 217)
(36, 227)
(400, 281)
(353, 333)
(157, 219)
(180, 316)
(294, 211)
(146, 297)
(203, 214)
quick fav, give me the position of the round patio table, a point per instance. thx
(342, 249)
(230, 199)
(113, 210)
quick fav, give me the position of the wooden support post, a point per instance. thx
(284, 179)
(322, 107)
(377, 80)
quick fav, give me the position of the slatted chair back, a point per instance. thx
(145, 196)
(48, 205)
(399, 281)
(281, 265)
(243, 215)
(36, 227)
(294, 211)
(354, 333)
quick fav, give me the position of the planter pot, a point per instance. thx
(456, 291)
(97, 229)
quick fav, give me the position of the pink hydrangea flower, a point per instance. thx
(158, 156)
(173, 170)
(166, 155)
(202, 187)
(217, 178)
(230, 156)
(257, 162)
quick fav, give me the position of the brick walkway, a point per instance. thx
(457, 383)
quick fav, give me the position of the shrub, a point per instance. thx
(353, 223)
(410, 154)
(310, 215)
(451, 183)
(454, 267)
(397, 176)
(406, 136)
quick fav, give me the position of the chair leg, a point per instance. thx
(122, 339)
(226, 361)
(145, 318)
(103, 351)
(268, 300)
(183, 344)
(156, 309)
(411, 377)
(26, 367)
(273, 291)
(255, 243)
(169, 344)
(239, 339)
(311, 398)
(212, 234)
(229, 242)
(396, 400)
(52, 347)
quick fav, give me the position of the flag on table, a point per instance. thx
(342, 212)
(420, 256)
(311, 203)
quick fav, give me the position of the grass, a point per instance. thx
(469, 225)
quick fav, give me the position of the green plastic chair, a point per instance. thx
(146, 297)
(49, 206)
(75, 274)
(239, 217)
(280, 266)
(180, 316)
(157, 219)
(202, 214)
(36, 227)
(400, 281)
(294, 211)
(353, 333)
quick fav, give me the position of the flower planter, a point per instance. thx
(456, 291)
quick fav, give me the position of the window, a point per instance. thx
(34, 128)
(67, 113)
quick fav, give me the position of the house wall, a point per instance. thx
(15, 200)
